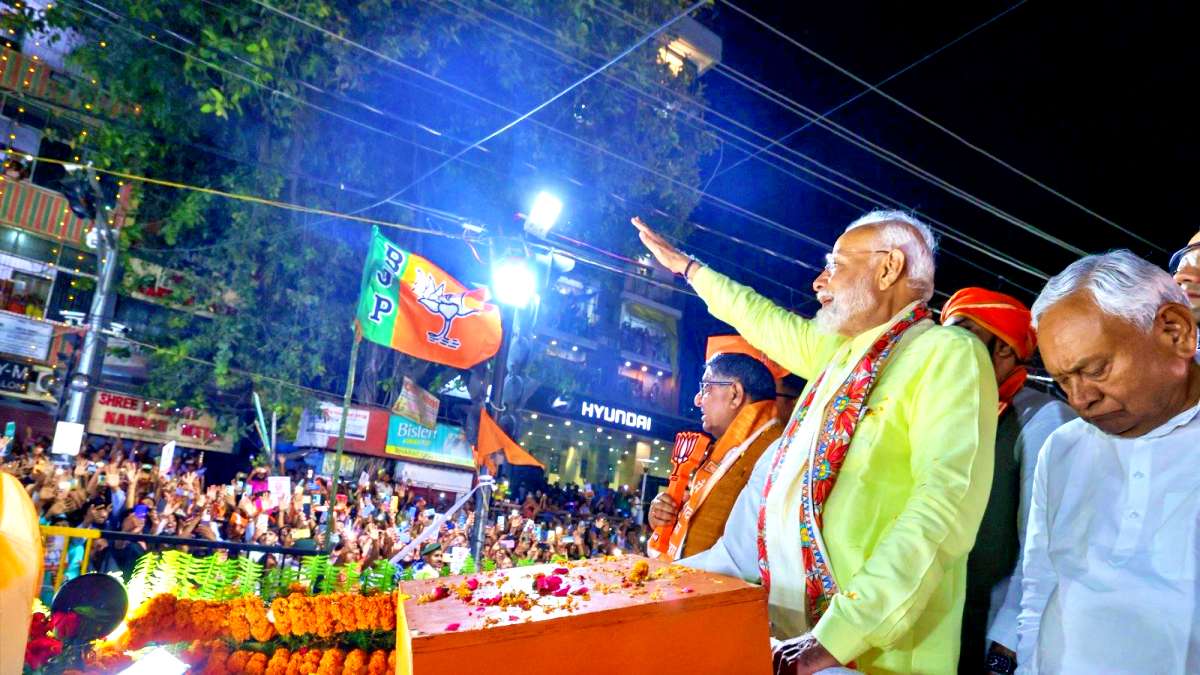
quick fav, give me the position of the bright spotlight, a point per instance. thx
(544, 213)
(514, 282)
(157, 662)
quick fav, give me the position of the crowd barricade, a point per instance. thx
(56, 542)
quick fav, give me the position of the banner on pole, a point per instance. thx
(417, 404)
(411, 305)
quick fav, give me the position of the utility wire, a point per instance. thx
(928, 120)
(117, 20)
(951, 233)
(521, 117)
(887, 155)
(946, 230)
(619, 157)
(889, 78)
(790, 231)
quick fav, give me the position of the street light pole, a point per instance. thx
(515, 286)
(91, 356)
(495, 404)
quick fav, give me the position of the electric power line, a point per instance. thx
(927, 56)
(951, 233)
(520, 118)
(946, 230)
(939, 126)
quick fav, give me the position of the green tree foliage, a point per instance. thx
(238, 98)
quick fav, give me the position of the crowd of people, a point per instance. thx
(119, 486)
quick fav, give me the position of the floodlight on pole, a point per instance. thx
(543, 214)
(514, 282)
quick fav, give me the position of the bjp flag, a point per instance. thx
(492, 439)
(411, 305)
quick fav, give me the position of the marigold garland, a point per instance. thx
(165, 619)
(215, 658)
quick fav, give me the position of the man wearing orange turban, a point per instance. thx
(1027, 417)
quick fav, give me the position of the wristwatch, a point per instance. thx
(999, 663)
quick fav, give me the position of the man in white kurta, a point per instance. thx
(1110, 578)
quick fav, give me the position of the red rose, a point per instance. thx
(39, 625)
(38, 652)
(66, 624)
(546, 583)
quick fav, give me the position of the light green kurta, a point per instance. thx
(906, 506)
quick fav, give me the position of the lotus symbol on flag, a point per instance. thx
(450, 306)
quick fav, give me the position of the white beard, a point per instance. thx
(853, 302)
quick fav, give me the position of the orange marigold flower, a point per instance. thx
(355, 663)
(237, 661)
(378, 664)
(283, 617)
(279, 662)
(257, 664)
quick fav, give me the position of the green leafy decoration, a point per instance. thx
(203, 573)
(313, 569)
(329, 582)
(380, 577)
(272, 584)
(489, 565)
(348, 581)
(249, 573)
(138, 587)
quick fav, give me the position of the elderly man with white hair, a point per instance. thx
(859, 520)
(1110, 573)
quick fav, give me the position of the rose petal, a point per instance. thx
(472, 583)
(453, 626)
(562, 592)
(582, 590)
(561, 570)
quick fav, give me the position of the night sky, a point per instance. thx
(1088, 98)
(1085, 97)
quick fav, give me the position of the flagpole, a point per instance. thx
(495, 402)
(341, 439)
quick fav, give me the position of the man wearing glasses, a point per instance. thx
(737, 408)
(1185, 267)
(860, 521)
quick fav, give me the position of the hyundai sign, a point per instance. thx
(604, 413)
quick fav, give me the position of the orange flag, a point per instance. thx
(492, 439)
(411, 305)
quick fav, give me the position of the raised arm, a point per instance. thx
(788, 338)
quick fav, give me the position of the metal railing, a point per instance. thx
(57, 565)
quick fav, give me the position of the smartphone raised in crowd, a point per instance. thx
(10, 429)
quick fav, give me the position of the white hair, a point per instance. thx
(1121, 284)
(900, 230)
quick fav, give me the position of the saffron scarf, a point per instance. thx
(826, 456)
(750, 421)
